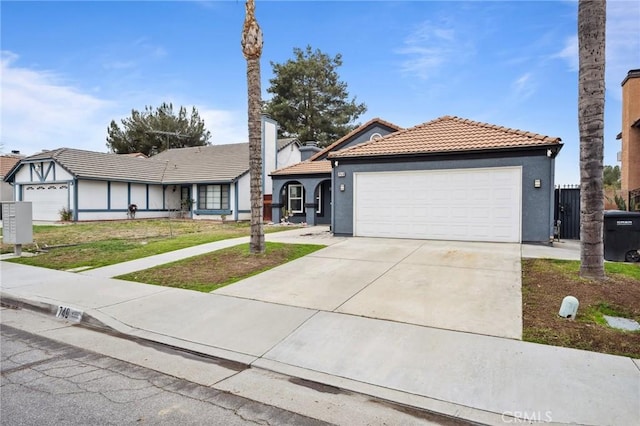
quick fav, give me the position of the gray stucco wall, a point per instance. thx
(363, 136)
(537, 203)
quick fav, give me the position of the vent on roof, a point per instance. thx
(375, 137)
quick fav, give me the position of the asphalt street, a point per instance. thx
(44, 382)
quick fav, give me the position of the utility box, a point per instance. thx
(17, 224)
(569, 307)
(621, 236)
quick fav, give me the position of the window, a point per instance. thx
(213, 197)
(295, 198)
(319, 199)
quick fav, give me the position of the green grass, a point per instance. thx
(631, 270)
(218, 269)
(595, 313)
(97, 244)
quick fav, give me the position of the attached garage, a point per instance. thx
(447, 179)
(47, 199)
(462, 205)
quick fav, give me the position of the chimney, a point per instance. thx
(630, 135)
(308, 149)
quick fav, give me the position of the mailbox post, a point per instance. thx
(17, 224)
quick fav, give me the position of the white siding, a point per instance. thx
(139, 195)
(92, 195)
(288, 156)
(119, 195)
(155, 197)
(244, 197)
(270, 146)
(55, 173)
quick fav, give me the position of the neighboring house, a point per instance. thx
(303, 190)
(7, 162)
(447, 179)
(203, 182)
(630, 135)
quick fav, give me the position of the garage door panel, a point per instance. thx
(46, 200)
(465, 204)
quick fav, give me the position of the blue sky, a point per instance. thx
(69, 68)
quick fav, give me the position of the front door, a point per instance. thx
(185, 202)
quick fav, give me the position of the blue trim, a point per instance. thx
(235, 202)
(147, 196)
(46, 174)
(118, 210)
(108, 195)
(262, 155)
(205, 212)
(75, 200)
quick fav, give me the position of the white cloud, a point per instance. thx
(429, 48)
(523, 87)
(40, 111)
(622, 44)
(225, 126)
(569, 53)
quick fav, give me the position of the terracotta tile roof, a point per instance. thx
(6, 163)
(447, 134)
(352, 133)
(305, 168)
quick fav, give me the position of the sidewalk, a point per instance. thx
(480, 378)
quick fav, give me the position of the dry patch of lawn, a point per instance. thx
(546, 282)
(97, 244)
(211, 271)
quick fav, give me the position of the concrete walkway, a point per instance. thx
(481, 378)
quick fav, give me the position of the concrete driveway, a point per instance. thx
(463, 286)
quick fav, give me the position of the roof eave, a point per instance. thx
(556, 145)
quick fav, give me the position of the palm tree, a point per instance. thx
(591, 47)
(252, 49)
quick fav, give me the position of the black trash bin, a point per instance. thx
(621, 236)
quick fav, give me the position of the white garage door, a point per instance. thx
(462, 204)
(47, 200)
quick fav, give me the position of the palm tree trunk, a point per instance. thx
(252, 49)
(591, 43)
(255, 155)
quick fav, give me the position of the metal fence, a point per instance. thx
(567, 211)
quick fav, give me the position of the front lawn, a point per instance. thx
(217, 269)
(546, 282)
(97, 244)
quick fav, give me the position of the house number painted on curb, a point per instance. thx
(65, 312)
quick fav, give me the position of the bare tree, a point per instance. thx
(591, 86)
(252, 49)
